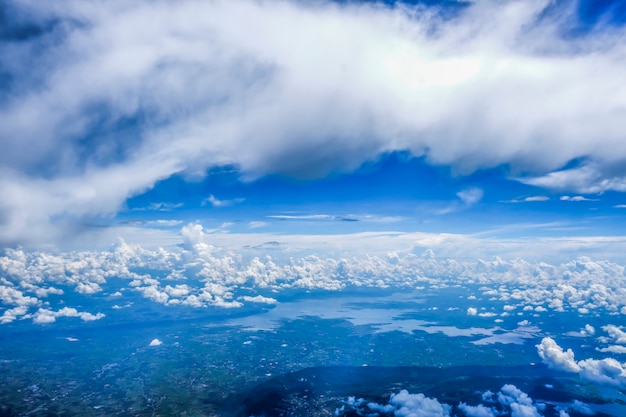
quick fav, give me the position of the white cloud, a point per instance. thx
(256, 224)
(511, 401)
(588, 179)
(470, 196)
(576, 198)
(155, 342)
(315, 262)
(617, 333)
(536, 198)
(88, 288)
(165, 223)
(215, 202)
(520, 403)
(613, 349)
(259, 299)
(498, 84)
(554, 356)
(404, 404)
(477, 410)
(12, 314)
(45, 316)
(606, 371)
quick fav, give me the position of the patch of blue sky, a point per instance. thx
(395, 192)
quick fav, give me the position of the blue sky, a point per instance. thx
(502, 119)
(394, 193)
(235, 154)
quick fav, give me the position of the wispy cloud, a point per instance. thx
(530, 199)
(215, 202)
(576, 198)
(160, 207)
(470, 196)
(315, 217)
(256, 224)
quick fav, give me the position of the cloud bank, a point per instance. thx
(105, 99)
(201, 274)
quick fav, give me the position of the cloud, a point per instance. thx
(259, 299)
(164, 223)
(404, 404)
(210, 269)
(213, 201)
(470, 196)
(531, 199)
(46, 316)
(576, 198)
(256, 224)
(510, 401)
(477, 410)
(587, 179)
(315, 217)
(606, 371)
(554, 356)
(497, 84)
(160, 207)
(617, 333)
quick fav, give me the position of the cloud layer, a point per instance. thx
(105, 99)
(201, 274)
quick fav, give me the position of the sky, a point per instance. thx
(486, 120)
(227, 154)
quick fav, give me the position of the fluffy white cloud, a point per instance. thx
(554, 356)
(259, 299)
(606, 371)
(510, 401)
(404, 404)
(45, 316)
(497, 84)
(12, 314)
(201, 273)
(477, 410)
(617, 333)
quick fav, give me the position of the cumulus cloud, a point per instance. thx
(155, 342)
(404, 404)
(259, 299)
(477, 410)
(617, 333)
(45, 316)
(499, 83)
(510, 400)
(554, 356)
(201, 274)
(606, 371)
